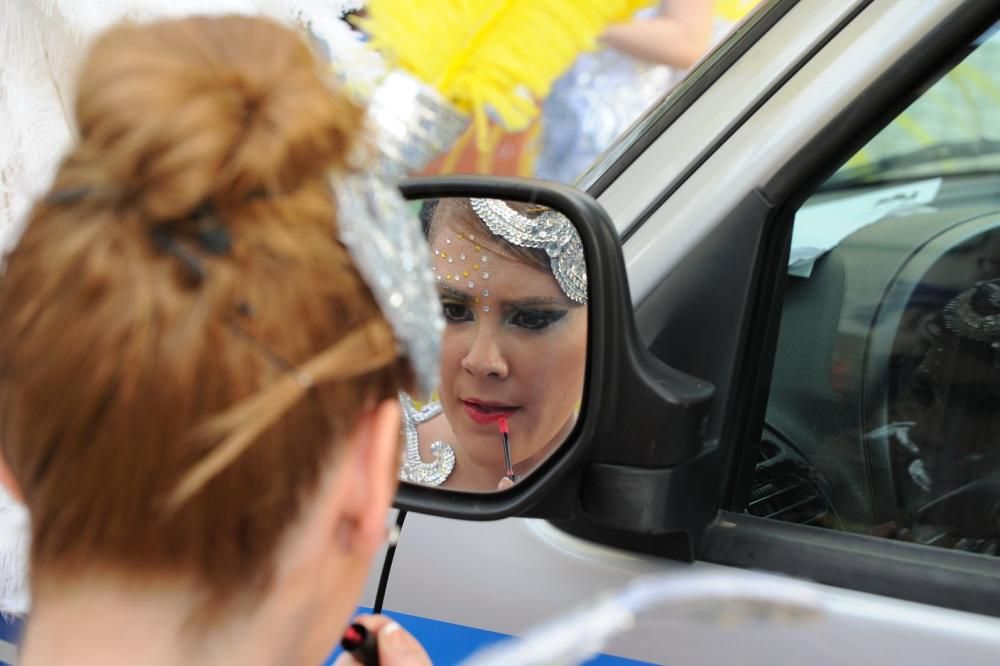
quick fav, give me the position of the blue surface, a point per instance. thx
(10, 631)
(448, 643)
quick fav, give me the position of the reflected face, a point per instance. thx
(514, 346)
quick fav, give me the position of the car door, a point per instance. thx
(704, 191)
(873, 420)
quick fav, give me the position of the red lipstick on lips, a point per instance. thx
(487, 413)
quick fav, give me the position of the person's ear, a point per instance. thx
(374, 462)
(8, 481)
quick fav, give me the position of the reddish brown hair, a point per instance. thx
(159, 426)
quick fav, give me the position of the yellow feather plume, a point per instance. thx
(501, 55)
(734, 10)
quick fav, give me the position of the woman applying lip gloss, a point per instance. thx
(514, 346)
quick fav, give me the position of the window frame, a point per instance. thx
(913, 572)
(648, 126)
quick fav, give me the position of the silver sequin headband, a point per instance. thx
(412, 124)
(975, 313)
(551, 231)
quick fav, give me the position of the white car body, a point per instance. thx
(508, 576)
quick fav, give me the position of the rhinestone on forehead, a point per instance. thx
(463, 275)
(551, 231)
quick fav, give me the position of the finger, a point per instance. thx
(373, 623)
(397, 647)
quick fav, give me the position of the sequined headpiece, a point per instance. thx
(411, 124)
(975, 313)
(551, 231)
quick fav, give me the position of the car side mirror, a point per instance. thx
(612, 436)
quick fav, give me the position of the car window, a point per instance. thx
(602, 94)
(883, 415)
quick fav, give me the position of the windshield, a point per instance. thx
(952, 129)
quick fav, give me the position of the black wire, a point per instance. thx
(383, 582)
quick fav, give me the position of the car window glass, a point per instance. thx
(592, 104)
(883, 416)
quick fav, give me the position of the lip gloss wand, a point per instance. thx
(361, 644)
(505, 436)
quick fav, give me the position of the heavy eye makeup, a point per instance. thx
(535, 319)
(533, 315)
(456, 305)
(455, 312)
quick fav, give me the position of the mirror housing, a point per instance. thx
(638, 451)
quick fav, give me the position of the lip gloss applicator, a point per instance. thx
(361, 644)
(505, 436)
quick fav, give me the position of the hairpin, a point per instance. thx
(67, 197)
(210, 234)
(164, 241)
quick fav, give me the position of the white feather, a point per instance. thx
(14, 532)
(41, 45)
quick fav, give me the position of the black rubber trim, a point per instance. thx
(645, 130)
(755, 360)
(924, 574)
(761, 100)
(645, 499)
(755, 353)
(390, 554)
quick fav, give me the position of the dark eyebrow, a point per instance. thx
(539, 301)
(516, 304)
(452, 292)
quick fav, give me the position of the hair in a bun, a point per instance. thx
(176, 113)
(122, 383)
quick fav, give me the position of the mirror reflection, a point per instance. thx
(513, 286)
